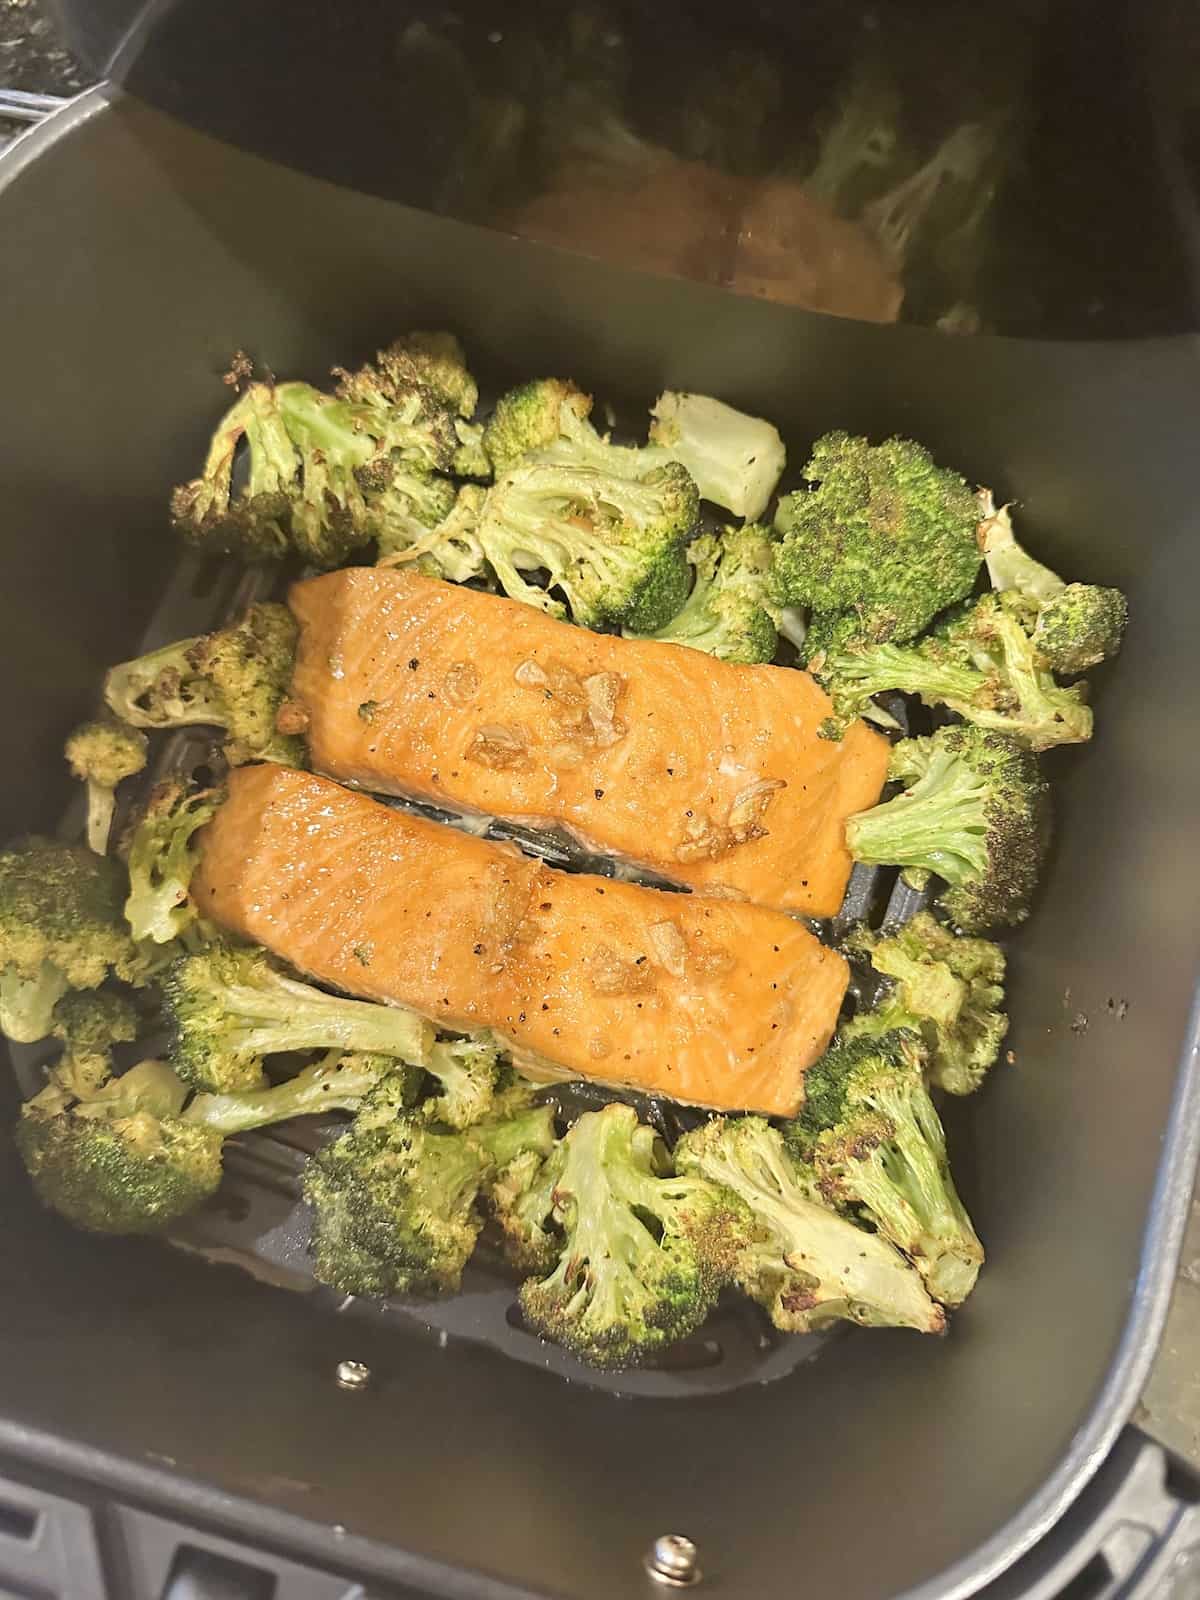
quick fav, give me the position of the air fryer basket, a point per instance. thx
(136, 257)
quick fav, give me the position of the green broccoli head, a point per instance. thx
(520, 1200)
(101, 754)
(468, 1073)
(1074, 626)
(229, 1008)
(728, 613)
(979, 662)
(162, 858)
(531, 417)
(805, 1264)
(435, 362)
(885, 537)
(234, 678)
(115, 1156)
(61, 927)
(613, 542)
(394, 1199)
(869, 1131)
(975, 812)
(447, 547)
(644, 1255)
(947, 987)
(91, 1021)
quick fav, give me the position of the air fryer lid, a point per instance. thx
(890, 1464)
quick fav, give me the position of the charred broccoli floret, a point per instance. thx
(975, 812)
(122, 1155)
(728, 613)
(234, 678)
(645, 1253)
(870, 1133)
(1073, 626)
(162, 858)
(531, 417)
(979, 662)
(394, 1199)
(610, 534)
(520, 1200)
(449, 549)
(883, 541)
(101, 754)
(61, 928)
(735, 459)
(433, 361)
(802, 1262)
(229, 1008)
(313, 460)
(946, 987)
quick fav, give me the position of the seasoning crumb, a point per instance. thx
(414, 664)
(599, 793)
(1011, 1057)
(1079, 1023)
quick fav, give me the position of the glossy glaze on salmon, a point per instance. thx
(711, 774)
(711, 1001)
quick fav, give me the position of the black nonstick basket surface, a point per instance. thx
(134, 257)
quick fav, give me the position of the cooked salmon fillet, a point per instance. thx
(712, 1001)
(711, 774)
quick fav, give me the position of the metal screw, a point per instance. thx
(352, 1375)
(673, 1560)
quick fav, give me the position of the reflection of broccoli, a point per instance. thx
(643, 1254)
(728, 613)
(805, 1264)
(979, 662)
(101, 754)
(122, 1155)
(60, 928)
(975, 813)
(1073, 626)
(947, 987)
(234, 678)
(394, 1199)
(735, 459)
(230, 1008)
(162, 859)
(884, 541)
(870, 1133)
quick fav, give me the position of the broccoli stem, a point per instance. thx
(27, 1004)
(127, 683)
(937, 825)
(1009, 566)
(101, 803)
(289, 1015)
(323, 1086)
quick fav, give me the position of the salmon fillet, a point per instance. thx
(713, 775)
(712, 1001)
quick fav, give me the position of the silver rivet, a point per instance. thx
(674, 1560)
(352, 1375)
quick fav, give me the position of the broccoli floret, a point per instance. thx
(610, 534)
(735, 459)
(102, 754)
(886, 538)
(234, 678)
(449, 550)
(532, 417)
(805, 1264)
(230, 1008)
(520, 1200)
(432, 361)
(90, 1021)
(312, 459)
(162, 859)
(874, 1140)
(859, 141)
(979, 662)
(394, 1202)
(1073, 626)
(469, 1072)
(975, 812)
(728, 613)
(122, 1155)
(61, 928)
(644, 1254)
(947, 987)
